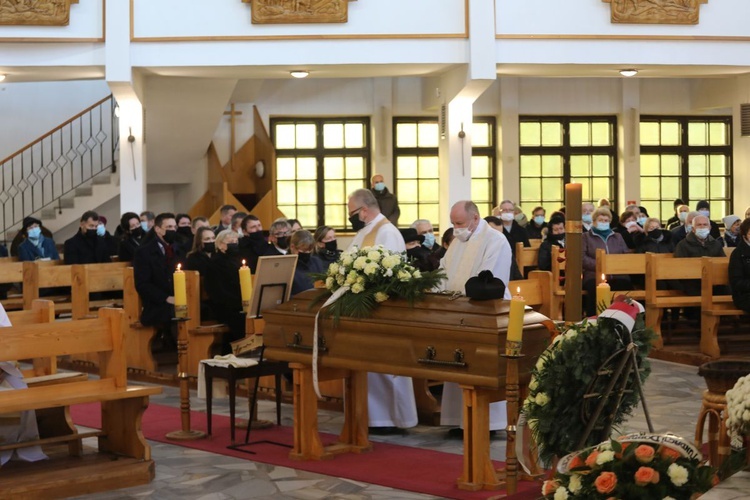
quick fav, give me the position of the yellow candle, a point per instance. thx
(603, 295)
(515, 322)
(246, 286)
(180, 293)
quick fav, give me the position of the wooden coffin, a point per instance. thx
(441, 339)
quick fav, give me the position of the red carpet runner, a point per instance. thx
(402, 467)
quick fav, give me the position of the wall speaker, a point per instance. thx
(745, 119)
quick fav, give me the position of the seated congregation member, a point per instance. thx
(739, 269)
(278, 238)
(731, 230)
(445, 242)
(202, 251)
(520, 217)
(629, 227)
(703, 208)
(326, 245)
(424, 228)
(601, 236)
(295, 225)
(225, 221)
(535, 227)
(222, 281)
(679, 233)
(415, 251)
(497, 224)
(682, 212)
(184, 231)
(587, 211)
(653, 239)
(110, 242)
(477, 247)
(302, 244)
(252, 243)
(511, 228)
(154, 264)
(86, 247)
(676, 217)
(36, 246)
(131, 236)
(147, 220)
(198, 222)
(555, 237)
(236, 223)
(698, 243)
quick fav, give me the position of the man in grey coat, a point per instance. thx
(386, 200)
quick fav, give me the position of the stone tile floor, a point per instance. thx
(673, 396)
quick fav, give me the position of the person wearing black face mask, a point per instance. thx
(222, 281)
(86, 247)
(278, 238)
(301, 245)
(555, 236)
(253, 243)
(326, 246)
(184, 231)
(154, 264)
(415, 251)
(131, 236)
(654, 239)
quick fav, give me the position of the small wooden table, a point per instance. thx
(232, 374)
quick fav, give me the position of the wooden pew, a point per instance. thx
(124, 457)
(200, 336)
(11, 272)
(728, 251)
(42, 311)
(138, 338)
(666, 267)
(526, 257)
(623, 263)
(558, 283)
(46, 274)
(714, 271)
(91, 278)
(535, 242)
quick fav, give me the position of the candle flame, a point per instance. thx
(179, 266)
(518, 290)
(243, 262)
(604, 278)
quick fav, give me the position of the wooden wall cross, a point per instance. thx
(231, 113)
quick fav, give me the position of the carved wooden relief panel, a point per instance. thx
(655, 11)
(35, 12)
(298, 11)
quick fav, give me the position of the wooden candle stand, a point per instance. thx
(184, 434)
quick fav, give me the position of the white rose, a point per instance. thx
(329, 282)
(575, 483)
(417, 274)
(561, 493)
(360, 263)
(374, 255)
(558, 339)
(678, 474)
(333, 268)
(388, 273)
(604, 457)
(340, 280)
(381, 297)
(541, 362)
(391, 261)
(542, 399)
(572, 333)
(605, 446)
(351, 278)
(533, 384)
(404, 275)
(357, 288)
(347, 260)
(371, 268)
(361, 280)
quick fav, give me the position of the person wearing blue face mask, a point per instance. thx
(601, 236)
(587, 211)
(679, 233)
(85, 247)
(109, 241)
(386, 200)
(36, 246)
(703, 208)
(535, 227)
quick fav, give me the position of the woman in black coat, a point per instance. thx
(326, 246)
(739, 269)
(203, 249)
(222, 280)
(131, 236)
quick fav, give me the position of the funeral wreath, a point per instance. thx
(580, 362)
(738, 407)
(365, 277)
(636, 466)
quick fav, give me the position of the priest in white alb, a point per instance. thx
(390, 398)
(476, 247)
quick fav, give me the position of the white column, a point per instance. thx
(382, 131)
(628, 145)
(741, 151)
(455, 157)
(126, 88)
(509, 178)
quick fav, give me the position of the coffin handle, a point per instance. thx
(431, 353)
(297, 343)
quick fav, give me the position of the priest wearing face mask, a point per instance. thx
(390, 398)
(222, 281)
(386, 200)
(36, 246)
(86, 247)
(154, 264)
(302, 244)
(476, 247)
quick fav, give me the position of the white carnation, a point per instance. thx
(575, 483)
(678, 474)
(542, 399)
(561, 493)
(604, 457)
(388, 273)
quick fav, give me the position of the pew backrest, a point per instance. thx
(11, 272)
(526, 257)
(536, 291)
(728, 251)
(661, 266)
(91, 278)
(42, 311)
(43, 274)
(623, 263)
(714, 272)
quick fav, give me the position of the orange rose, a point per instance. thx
(591, 459)
(646, 475)
(669, 453)
(549, 487)
(715, 480)
(606, 482)
(624, 449)
(576, 462)
(644, 453)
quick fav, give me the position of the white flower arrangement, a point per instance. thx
(372, 275)
(738, 407)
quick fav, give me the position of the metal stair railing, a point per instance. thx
(40, 174)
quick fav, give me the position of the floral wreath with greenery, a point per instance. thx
(365, 277)
(569, 369)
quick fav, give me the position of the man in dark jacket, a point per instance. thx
(698, 243)
(154, 264)
(512, 229)
(555, 236)
(704, 209)
(86, 247)
(386, 200)
(36, 246)
(739, 269)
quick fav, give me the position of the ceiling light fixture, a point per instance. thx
(2, 77)
(299, 73)
(628, 72)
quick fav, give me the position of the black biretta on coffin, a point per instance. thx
(485, 286)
